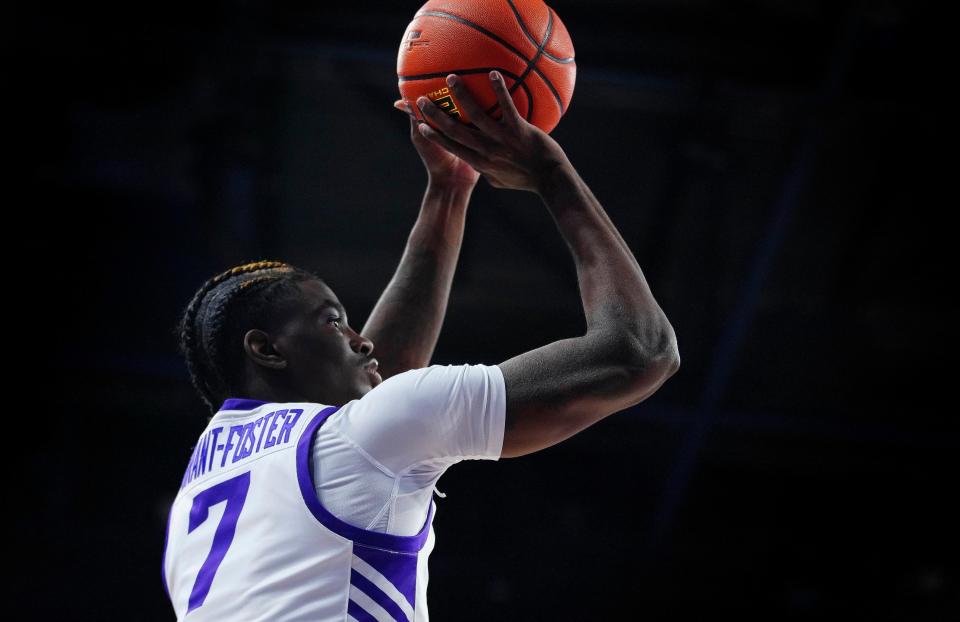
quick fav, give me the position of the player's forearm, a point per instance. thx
(406, 321)
(615, 294)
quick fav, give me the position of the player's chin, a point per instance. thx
(371, 379)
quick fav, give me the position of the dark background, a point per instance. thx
(773, 166)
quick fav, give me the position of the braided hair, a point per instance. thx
(223, 309)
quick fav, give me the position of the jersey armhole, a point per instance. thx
(400, 544)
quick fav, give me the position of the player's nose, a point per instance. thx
(360, 344)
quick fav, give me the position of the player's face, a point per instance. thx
(329, 363)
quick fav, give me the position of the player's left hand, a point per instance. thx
(442, 166)
(510, 152)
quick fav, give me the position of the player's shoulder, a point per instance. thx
(427, 387)
(420, 378)
(446, 369)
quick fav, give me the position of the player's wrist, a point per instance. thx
(553, 178)
(450, 182)
(449, 193)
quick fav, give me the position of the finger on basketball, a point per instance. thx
(475, 113)
(504, 99)
(402, 106)
(466, 154)
(450, 127)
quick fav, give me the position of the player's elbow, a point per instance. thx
(650, 359)
(667, 353)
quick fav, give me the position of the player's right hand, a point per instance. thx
(509, 152)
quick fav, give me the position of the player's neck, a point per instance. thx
(260, 389)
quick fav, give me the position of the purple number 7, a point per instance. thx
(234, 492)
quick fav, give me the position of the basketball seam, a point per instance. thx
(470, 24)
(530, 65)
(496, 38)
(533, 62)
(533, 39)
(523, 27)
(463, 72)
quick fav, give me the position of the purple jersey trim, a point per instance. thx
(401, 544)
(359, 614)
(163, 560)
(400, 569)
(235, 403)
(360, 582)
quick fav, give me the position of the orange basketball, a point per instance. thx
(522, 39)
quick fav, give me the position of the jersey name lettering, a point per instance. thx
(225, 446)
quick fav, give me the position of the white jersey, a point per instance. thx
(248, 537)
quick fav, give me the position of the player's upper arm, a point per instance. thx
(444, 413)
(557, 390)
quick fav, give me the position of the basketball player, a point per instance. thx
(309, 495)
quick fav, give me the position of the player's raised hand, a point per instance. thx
(443, 167)
(509, 152)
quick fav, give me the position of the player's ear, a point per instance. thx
(257, 345)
